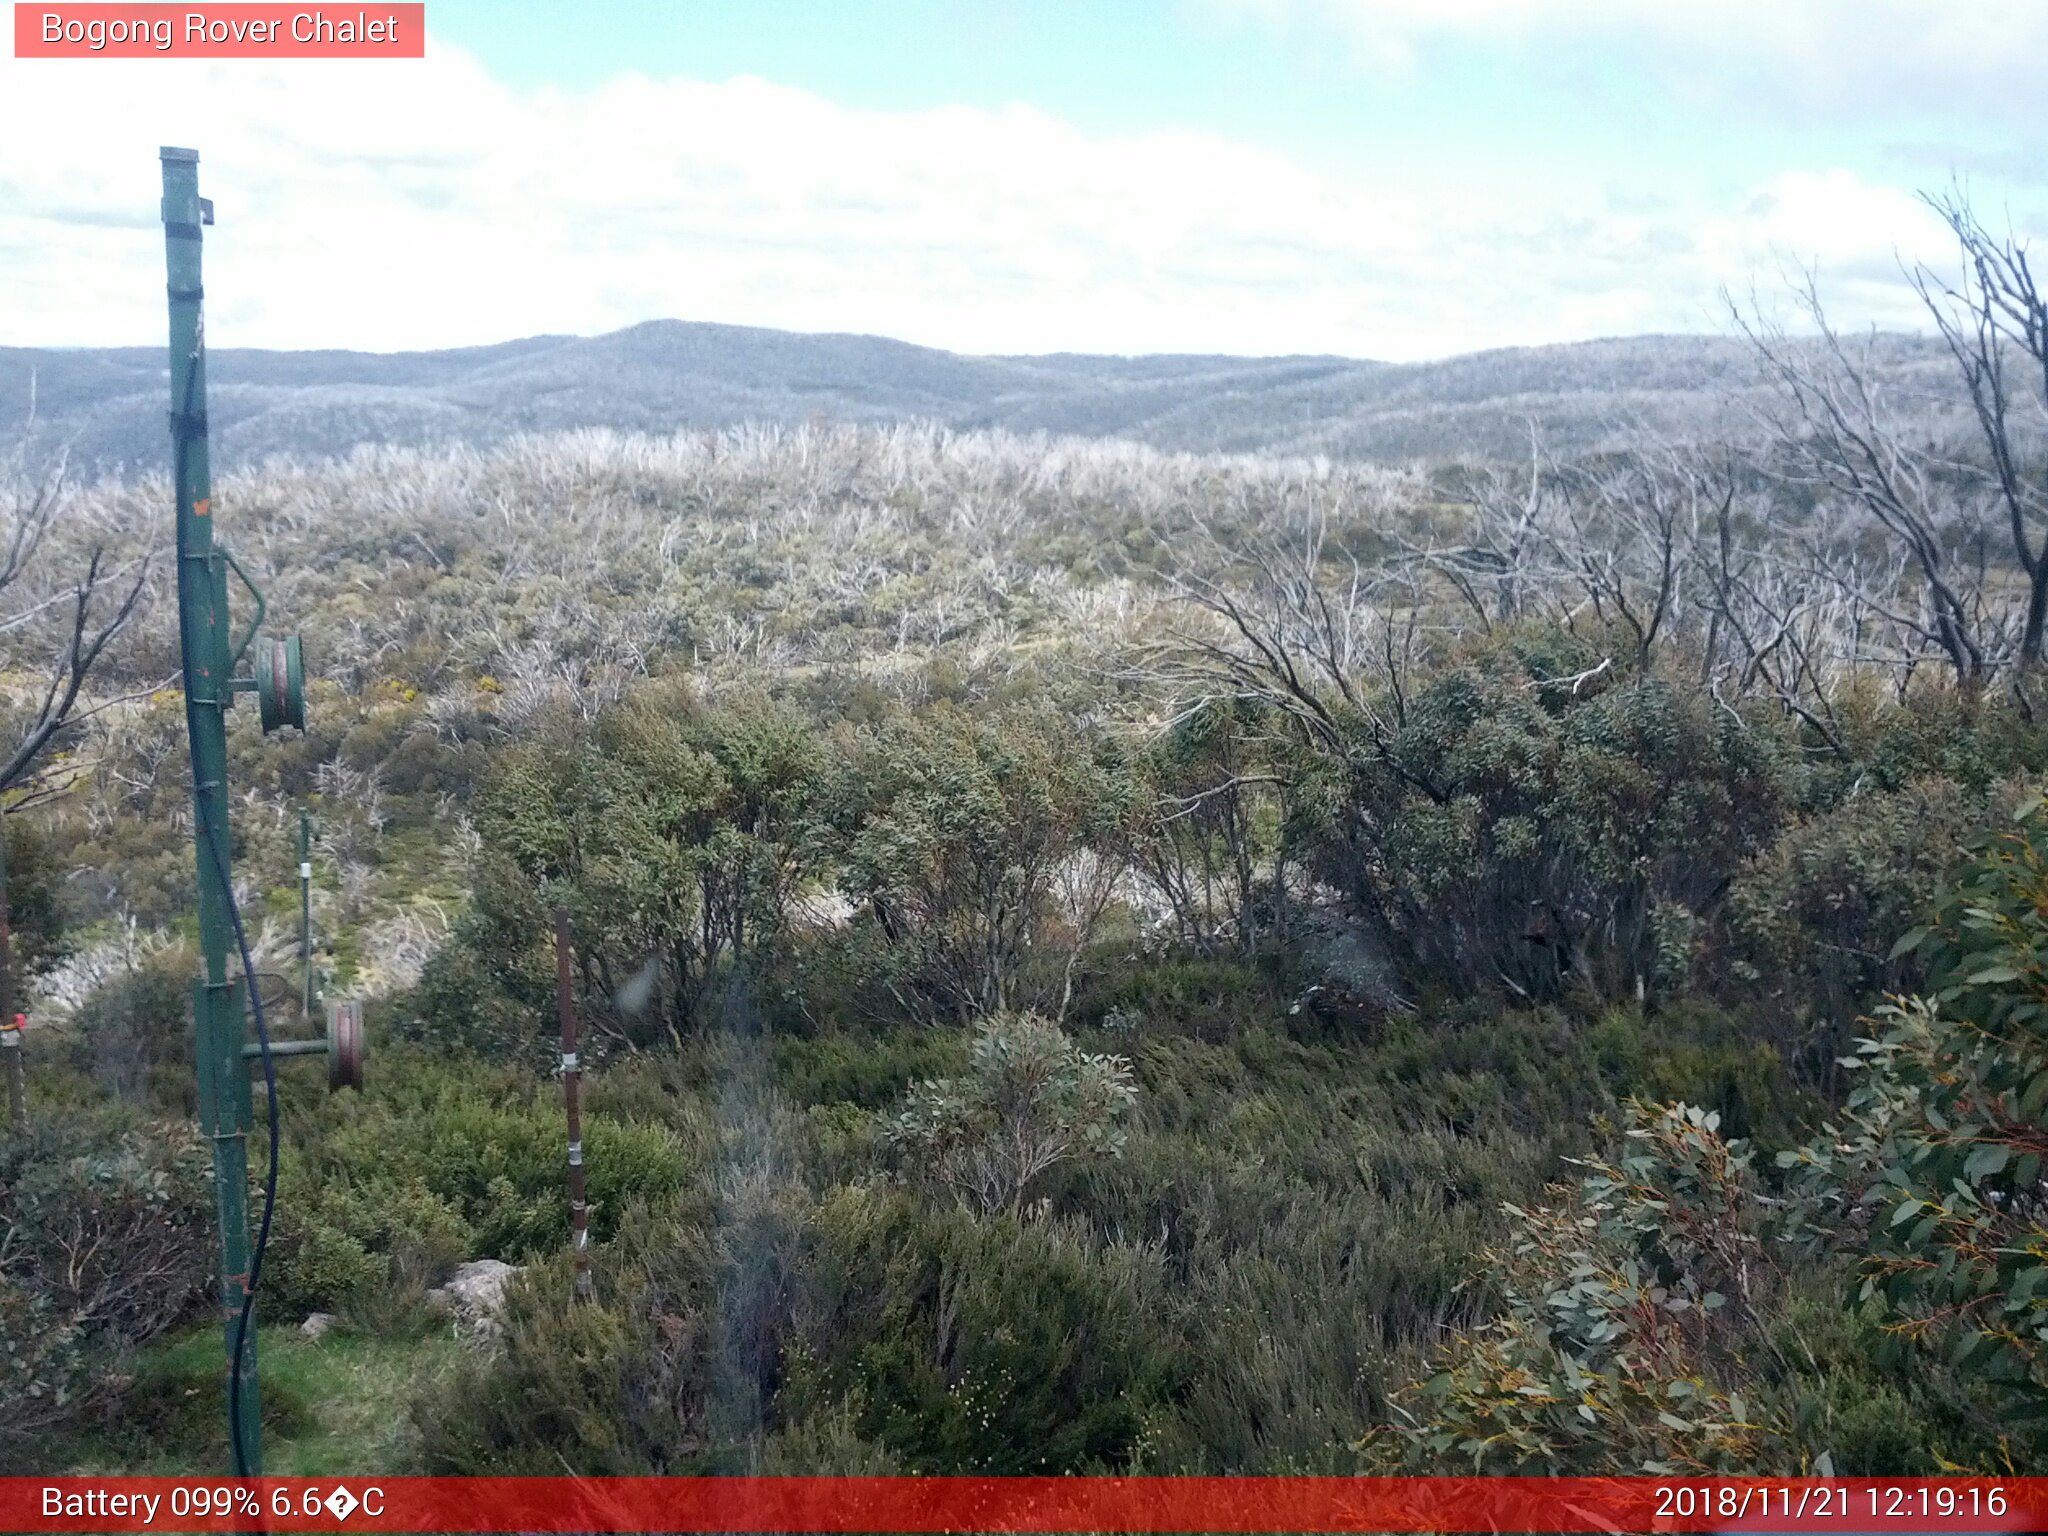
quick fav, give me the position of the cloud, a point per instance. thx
(416, 204)
(1801, 60)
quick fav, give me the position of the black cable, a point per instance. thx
(183, 429)
(220, 866)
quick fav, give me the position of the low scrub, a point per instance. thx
(105, 1241)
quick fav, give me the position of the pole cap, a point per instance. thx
(172, 152)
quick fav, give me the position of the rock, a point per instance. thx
(479, 1286)
(474, 1293)
(318, 1324)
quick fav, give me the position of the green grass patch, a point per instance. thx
(330, 1406)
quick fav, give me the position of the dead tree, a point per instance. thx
(70, 620)
(1995, 323)
(1841, 433)
(1498, 569)
(1838, 434)
(1623, 534)
(1301, 641)
(1776, 621)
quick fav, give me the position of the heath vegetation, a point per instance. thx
(1100, 959)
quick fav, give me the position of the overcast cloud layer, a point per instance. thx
(425, 204)
(1813, 61)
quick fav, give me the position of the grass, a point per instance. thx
(331, 1406)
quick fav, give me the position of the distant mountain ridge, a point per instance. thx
(109, 404)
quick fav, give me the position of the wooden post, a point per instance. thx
(572, 1082)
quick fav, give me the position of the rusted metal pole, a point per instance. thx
(306, 908)
(17, 1088)
(10, 1028)
(572, 1084)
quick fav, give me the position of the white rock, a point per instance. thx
(318, 1324)
(474, 1293)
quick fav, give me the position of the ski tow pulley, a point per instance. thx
(345, 1044)
(280, 683)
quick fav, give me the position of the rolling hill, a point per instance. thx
(108, 404)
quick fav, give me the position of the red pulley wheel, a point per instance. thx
(345, 1045)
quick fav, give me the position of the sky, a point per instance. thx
(1397, 179)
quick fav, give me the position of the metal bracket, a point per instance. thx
(342, 1045)
(262, 607)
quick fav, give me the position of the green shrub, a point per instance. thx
(313, 1266)
(929, 1340)
(870, 1068)
(969, 845)
(664, 1372)
(439, 1160)
(1874, 1418)
(828, 1444)
(478, 996)
(36, 867)
(977, 1346)
(499, 1168)
(675, 836)
(1814, 916)
(1691, 1051)
(344, 1243)
(1973, 737)
(1616, 1347)
(1934, 1171)
(1211, 829)
(553, 1397)
(47, 1373)
(1210, 999)
(105, 1241)
(133, 1036)
(1525, 819)
(1029, 1100)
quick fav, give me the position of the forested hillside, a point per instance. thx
(105, 406)
(1092, 959)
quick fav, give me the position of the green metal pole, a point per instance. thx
(224, 1097)
(306, 905)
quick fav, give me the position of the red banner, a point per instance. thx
(203, 31)
(1034, 1504)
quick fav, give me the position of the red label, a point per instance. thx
(239, 31)
(1701, 1503)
